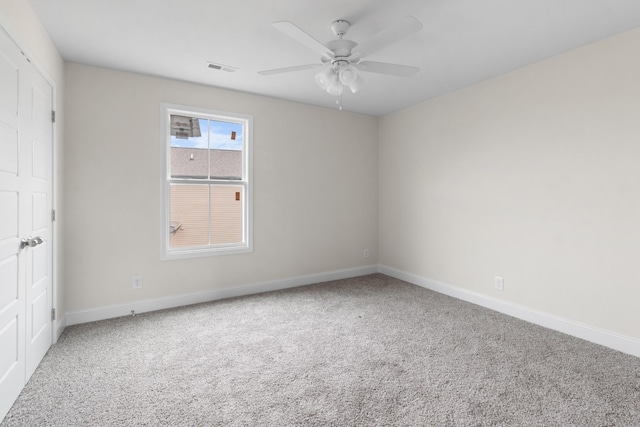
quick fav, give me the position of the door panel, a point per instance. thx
(9, 149)
(8, 215)
(39, 211)
(11, 367)
(39, 167)
(8, 77)
(39, 319)
(39, 265)
(9, 279)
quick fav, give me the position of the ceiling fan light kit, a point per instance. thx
(323, 78)
(335, 89)
(347, 74)
(340, 58)
(334, 79)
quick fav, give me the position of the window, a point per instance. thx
(206, 182)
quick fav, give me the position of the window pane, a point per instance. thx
(189, 215)
(189, 147)
(226, 214)
(192, 138)
(226, 164)
(226, 150)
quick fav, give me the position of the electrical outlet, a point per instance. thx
(136, 282)
(366, 253)
(498, 282)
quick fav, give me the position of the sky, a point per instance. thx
(219, 132)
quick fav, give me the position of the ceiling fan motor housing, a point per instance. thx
(341, 48)
(340, 27)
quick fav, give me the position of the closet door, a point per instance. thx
(25, 220)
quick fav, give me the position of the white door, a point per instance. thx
(25, 220)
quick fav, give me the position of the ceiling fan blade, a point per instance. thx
(398, 31)
(303, 38)
(289, 69)
(385, 68)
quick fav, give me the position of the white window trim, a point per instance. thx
(247, 166)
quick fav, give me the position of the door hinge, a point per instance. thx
(53, 214)
(53, 116)
(53, 314)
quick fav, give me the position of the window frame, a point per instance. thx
(168, 253)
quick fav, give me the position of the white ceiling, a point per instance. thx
(462, 42)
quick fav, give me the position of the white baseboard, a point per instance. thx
(108, 312)
(60, 325)
(580, 330)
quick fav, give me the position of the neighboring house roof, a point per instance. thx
(194, 163)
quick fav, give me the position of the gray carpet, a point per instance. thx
(365, 351)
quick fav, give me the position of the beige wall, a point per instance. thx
(25, 27)
(315, 189)
(533, 176)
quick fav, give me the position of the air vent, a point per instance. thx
(221, 67)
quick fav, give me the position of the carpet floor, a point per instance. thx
(367, 351)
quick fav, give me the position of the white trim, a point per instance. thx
(108, 312)
(60, 324)
(166, 253)
(584, 331)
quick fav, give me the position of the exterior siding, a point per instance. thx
(190, 213)
(226, 212)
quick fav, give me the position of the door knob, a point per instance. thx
(31, 242)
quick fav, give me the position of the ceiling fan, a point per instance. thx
(341, 59)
